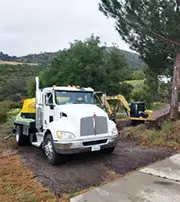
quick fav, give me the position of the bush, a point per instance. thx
(14, 105)
(4, 108)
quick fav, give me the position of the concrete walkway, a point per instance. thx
(155, 183)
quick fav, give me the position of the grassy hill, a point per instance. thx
(10, 72)
(133, 59)
(14, 79)
(45, 58)
(15, 72)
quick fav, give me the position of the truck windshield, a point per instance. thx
(73, 97)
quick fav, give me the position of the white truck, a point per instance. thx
(66, 121)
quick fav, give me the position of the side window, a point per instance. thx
(49, 98)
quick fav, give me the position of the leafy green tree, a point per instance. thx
(138, 75)
(31, 85)
(151, 28)
(143, 24)
(88, 64)
(126, 90)
(31, 88)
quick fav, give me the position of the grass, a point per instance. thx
(16, 179)
(6, 129)
(121, 116)
(17, 183)
(157, 105)
(168, 135)
(15, 63)
(136, 83)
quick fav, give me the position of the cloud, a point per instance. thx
(44, 25)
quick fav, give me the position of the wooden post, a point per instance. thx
(174, 114)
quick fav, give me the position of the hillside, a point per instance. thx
(15, 72)
(41, 58)
(46, 58)
(14, 79)
(6, 57)
(133, 59)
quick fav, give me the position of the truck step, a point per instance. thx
(36, 144)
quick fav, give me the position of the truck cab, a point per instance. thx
(66, 122)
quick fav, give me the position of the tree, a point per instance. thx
(126, 90)
(151, 28)
(138, 75)
(87, 64)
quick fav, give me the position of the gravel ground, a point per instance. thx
(88, 170)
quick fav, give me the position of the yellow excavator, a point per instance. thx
(136, 111)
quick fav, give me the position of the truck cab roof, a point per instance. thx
(65, 88)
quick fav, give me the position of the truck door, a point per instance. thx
(48, 109)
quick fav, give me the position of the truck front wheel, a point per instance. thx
(49, 150)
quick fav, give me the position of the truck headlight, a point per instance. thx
(65, 135)
(114, 131)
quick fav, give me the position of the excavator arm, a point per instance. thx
(121, 99)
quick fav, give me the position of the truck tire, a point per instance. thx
(20, 138)
(108, 150)
(49, 151)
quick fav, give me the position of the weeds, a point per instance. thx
(169, 134)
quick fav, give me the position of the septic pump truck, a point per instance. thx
(65, 120)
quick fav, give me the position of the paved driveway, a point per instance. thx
(157, 182)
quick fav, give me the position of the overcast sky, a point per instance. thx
(32, 26)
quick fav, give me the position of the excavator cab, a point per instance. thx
(137, 110)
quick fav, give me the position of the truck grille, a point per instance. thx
(89, 128)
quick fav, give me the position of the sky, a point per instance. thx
(34, 26)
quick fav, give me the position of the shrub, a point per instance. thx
(4, 108)
(14, 105)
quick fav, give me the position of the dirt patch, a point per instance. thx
(84, 171)
(17, 183)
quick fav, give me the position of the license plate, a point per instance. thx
(95, 148)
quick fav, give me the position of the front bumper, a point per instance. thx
(85, 145)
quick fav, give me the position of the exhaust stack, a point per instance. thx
(37, 83)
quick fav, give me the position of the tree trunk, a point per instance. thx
(174, 114)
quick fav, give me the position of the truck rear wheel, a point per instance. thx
(49, 151)
(20, 138)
